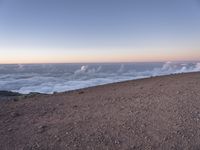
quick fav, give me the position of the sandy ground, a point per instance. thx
(155, 113)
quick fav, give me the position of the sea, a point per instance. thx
(50, 78)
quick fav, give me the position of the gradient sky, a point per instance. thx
(57, 31)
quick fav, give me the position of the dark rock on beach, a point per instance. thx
(8, 93)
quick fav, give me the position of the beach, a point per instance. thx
(153, 113)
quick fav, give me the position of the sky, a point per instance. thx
(66, 31)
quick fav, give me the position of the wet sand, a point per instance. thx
(154, 113)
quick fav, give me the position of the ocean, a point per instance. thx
(50, 78)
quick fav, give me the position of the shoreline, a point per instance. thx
(153, 113)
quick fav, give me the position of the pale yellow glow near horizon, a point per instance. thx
(56, 56)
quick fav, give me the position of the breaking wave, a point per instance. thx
(49, 78)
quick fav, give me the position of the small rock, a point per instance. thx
(41, 128)
(57, 138)
(15, 99)
(122, 107)
(75, 106)
(9, 93)
(117, 142)
(10, 129)
(81, 92)
(178, 92)
(128, 128)
(165, 138)
(14, 114)
(75, 145)
(60, 104)
(137, 112)
(44, 113)
(133, 147)
(35, 146)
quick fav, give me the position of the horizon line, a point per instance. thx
(114, 62)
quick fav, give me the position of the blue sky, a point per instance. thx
(34, 31)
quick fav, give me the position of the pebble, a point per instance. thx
(117, 142)
(75, 106)
(59, 104)
(81, 92)
(166, 138)
(57, 138)
(35, 146)
(133, 147)
(42, 128)
(15, 99)
(10, 129)
(14, 114)
(122, 107)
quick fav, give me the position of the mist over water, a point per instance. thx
(49, 78)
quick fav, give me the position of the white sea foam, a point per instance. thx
(58, 78)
